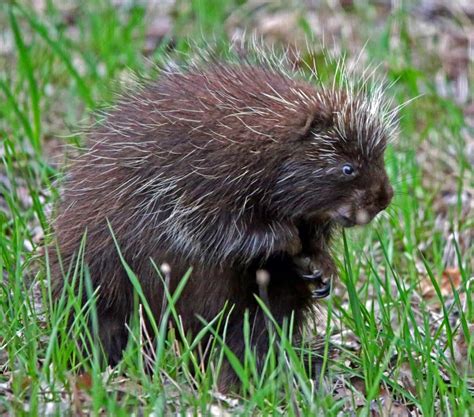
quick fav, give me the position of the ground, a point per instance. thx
(400, 319)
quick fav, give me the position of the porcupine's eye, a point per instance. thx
(348, 169)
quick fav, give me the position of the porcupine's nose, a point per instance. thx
(385, 196)
(372, 204)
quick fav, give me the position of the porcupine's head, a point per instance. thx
(335, 171)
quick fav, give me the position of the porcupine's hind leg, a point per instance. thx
(112, 335)
(109, 336)
(105, 318)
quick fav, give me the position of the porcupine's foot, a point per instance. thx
(314, 277)
(322, 289)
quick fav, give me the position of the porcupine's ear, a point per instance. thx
(308, 123)
(315, 120)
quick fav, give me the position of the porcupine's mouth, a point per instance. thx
(346, 218)
(345, 221)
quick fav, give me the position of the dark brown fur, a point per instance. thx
(224, 144)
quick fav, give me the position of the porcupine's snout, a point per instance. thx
(365, 204)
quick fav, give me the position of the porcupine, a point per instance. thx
(226, 167)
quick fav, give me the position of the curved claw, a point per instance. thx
(316, 276)
(324, 291)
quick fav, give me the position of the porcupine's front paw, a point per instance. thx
(319, 284)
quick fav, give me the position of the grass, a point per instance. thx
(396, 346)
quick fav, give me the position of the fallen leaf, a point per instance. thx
(84, 381)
